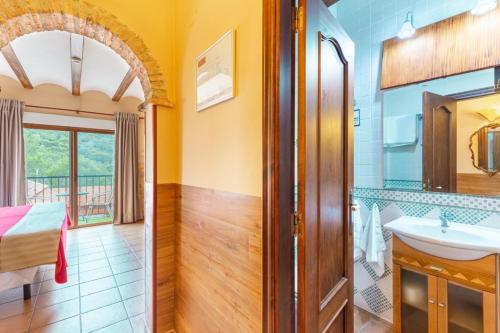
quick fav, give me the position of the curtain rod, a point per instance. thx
(70, 110)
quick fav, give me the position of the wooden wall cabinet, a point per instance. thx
(431, 295)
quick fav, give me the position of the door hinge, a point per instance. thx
(296, 223)
(298, 19)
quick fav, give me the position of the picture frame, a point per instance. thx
(357, 117)
(215, 72)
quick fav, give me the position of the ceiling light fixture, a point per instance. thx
(484, 6)
(407, 29)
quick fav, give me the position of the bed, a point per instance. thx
(31, 236)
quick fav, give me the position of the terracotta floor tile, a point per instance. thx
(58, 296)
(70, 325)
(100, 299)
(17, 307)
(138, 324)
(132, 289)
(53, 285)
(126, 266)
(120, 327)
(55, 313)
(92, 257)
(95, 286)
(16, 324)
(95, 264)
(135, 306)
(17, 293)
(117, 251)
(129, 277)
(95, 274)
(103, 317)
(122, 258)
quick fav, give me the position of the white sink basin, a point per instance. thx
(458, 242)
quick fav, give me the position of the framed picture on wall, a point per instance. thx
(215, 72)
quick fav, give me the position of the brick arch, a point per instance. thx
(18, 18)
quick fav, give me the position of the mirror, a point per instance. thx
(443, 135)
(485, 149)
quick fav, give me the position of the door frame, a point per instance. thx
(73, 162)
(278, 59)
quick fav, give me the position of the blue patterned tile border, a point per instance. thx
(403, 184)
(491, 204)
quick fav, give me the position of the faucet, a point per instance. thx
(445, 219)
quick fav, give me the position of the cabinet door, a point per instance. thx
(415, 299)
(465, 310)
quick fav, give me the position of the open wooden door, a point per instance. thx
(325, 155)
(439, 143)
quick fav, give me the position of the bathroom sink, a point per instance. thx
(458, 242)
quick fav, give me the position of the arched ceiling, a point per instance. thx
(66, 59)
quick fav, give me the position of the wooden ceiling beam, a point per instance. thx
(76, 54)
(15, 64)
(126, 82)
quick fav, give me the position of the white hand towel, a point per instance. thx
(372, 242)
(358, 231)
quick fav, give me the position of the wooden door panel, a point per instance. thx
(325, 132)
(439, 143)
(332, 254)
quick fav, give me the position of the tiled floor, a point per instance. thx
(104, 292)
(365, 322)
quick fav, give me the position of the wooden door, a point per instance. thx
(439, 143)
(325, 153)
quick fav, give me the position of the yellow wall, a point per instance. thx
(221, 146)
(153, 21)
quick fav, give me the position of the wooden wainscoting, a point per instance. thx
(478, 183)
(166, 195)
(218, 262)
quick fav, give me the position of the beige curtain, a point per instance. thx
(12, 173)
(127, 207)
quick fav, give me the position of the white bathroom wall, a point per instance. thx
(369, 23)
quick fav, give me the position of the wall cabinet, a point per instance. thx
(434, 295)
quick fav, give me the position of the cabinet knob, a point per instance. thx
(441, 305)
(431, 301)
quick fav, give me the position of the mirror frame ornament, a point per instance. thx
(476, 165)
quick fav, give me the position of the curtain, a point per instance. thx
(12, 173)
(127, 207)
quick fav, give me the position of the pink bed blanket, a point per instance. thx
(10, 216)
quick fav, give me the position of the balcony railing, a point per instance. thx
(95, 193)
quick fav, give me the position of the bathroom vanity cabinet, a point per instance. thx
(437, 295)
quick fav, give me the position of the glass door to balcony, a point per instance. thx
(74, 166)
(95, 177)
(48, 166)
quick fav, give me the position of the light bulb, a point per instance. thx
(484, 6)
(407, 29)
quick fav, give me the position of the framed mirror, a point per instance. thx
(484, 146)
(444, 135)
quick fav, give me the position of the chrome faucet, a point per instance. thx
(445, 219)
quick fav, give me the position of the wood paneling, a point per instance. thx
(478, 183)
(462, 43)
(218, 262)
(166, 195)
(15, 64)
